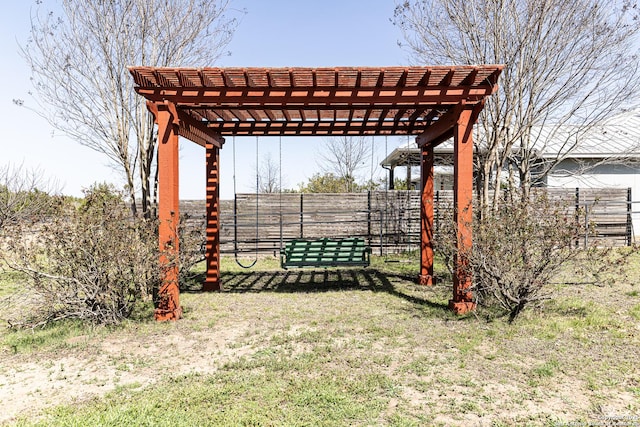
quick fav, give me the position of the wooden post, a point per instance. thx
(426, 216)
(462, 301)
(168, 303)
(212, 280)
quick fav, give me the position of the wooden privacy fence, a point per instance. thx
(607, 210)
(388, 220)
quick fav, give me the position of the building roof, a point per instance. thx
(403, 156)
(615, 137)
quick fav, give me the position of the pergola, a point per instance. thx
(205, 105)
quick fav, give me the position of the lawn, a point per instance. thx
(334, 347)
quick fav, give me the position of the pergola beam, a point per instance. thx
(188, 127)
(306, 96)
(324, 77)
(318, 128)
(198, 132)
(442, 129)
(389, 100)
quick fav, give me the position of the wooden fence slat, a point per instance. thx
(392, 223)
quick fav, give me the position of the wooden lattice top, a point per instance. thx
(315, 101)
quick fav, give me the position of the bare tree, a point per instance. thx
(565, 63)
(344, 156)
(79, 53)
(269, 175)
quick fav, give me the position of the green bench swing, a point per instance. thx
(351, 252)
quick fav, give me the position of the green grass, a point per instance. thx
(10, 282)
(52, 337)
(546, 370)
(349, 347)
(232, 397)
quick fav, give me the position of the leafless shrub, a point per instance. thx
(94, 262)
(521, 247)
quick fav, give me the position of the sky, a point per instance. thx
(272, 33)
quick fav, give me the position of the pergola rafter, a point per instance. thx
(207, 104)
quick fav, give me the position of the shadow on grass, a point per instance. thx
(309, 281)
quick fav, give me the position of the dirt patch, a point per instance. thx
(29, 383)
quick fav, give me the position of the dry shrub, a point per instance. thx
(94, 262)
(520, 247)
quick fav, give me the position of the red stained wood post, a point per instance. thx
(462, 301)
(212, 279)
(166, 116)
(426, 217)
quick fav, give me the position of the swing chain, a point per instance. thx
(235, 209)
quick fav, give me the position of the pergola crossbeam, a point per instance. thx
(198, 132)
(442, 129)
(305, 96)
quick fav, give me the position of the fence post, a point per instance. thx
(436, 229)
(235, 222)
(629, 223)
(369, 216)
(381, 214)
(409, 212)
(577, 213)
(586, 225)
(301, 215)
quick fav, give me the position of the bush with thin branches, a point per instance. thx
(94, 262)
(521, 247)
